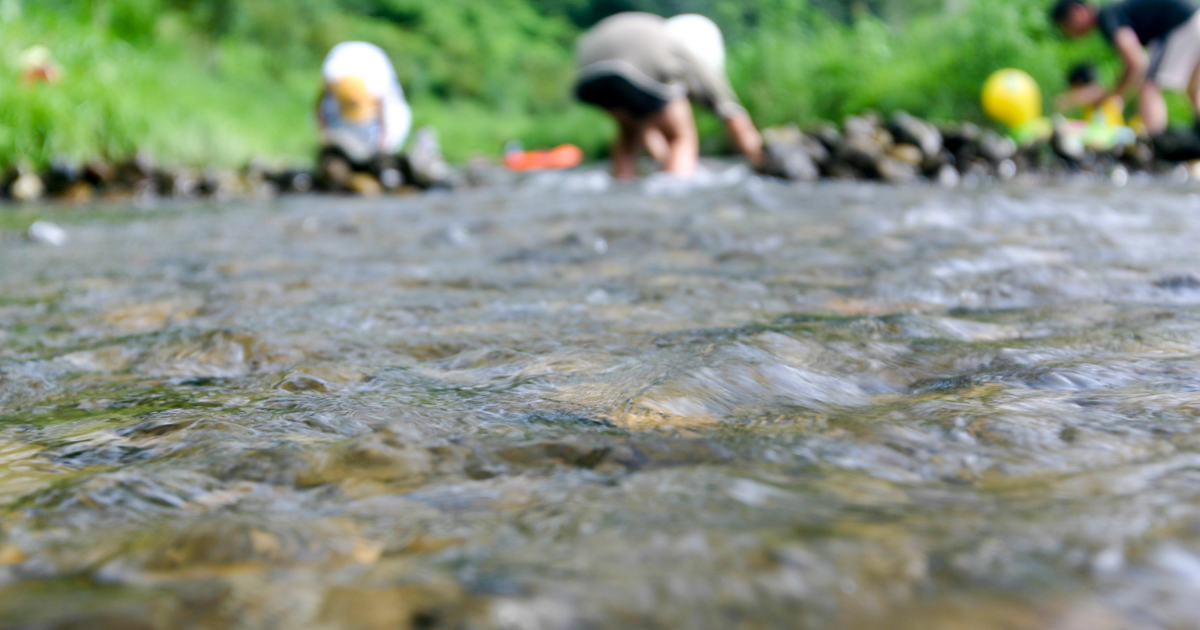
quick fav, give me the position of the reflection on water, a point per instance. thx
(568, 404)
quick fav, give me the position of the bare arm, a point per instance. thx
(1081, 97)
(625, 150)
(746, 138)
(1135, 59)
(656, 144)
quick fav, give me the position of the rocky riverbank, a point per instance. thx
(901, 149)
(905, 149)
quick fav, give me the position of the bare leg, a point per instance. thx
(746, 138)
(656, 145)
(625, 147)
(677, 124)
(1153, 108)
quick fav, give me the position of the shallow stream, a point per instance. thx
(560, 404)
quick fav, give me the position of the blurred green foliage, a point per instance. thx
(200, 81)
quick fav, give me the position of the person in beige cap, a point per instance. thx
(363, 117)
(645, 71)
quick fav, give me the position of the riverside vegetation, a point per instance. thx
(222, 81)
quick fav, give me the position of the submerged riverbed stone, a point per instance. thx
(370, 460)
(418, 606)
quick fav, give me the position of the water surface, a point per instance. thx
(561, 404)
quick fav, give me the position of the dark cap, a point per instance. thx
(1060, 9)
(1082, 74)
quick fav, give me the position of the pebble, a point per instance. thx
(364, 184)
(27, 187)
(48, 233)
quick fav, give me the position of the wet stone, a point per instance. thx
(910, 130)
(1179, 283)
(369, 460)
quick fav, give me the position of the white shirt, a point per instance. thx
(369, 63)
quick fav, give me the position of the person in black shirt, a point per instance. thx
(1170, 29)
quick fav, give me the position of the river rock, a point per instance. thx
(895, 171)
(61, 175)
(26, 185)
(791, 135)
(391, 177)
(948, 177)
(908, 154)
(978, 169)
(791, 162)
(842, 171)
(868, 126)
(48, 233)
(861, 151)
(256, 180)
(79, 192)
(364, 184)
(183, 183)
(426, 165)
(962, 141)
(1176, 146)
(368, 459)
(294, 181)
(828, 135)
(254, 171)
(789, 154)
(221, 183)
(333, 171)
(1140, 156)
(996, 148)
(864, 125)
(817, 151)
(137, 170)
(99, 173)
(909, 129)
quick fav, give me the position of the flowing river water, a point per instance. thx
(561, 404)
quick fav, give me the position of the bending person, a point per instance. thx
(362, 114)
(645, 77)
(1171, 31)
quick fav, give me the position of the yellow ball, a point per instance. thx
(1012, 97)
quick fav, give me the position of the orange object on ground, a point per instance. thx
(565, 156)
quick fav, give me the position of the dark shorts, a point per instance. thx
(613, 91)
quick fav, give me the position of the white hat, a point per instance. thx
(701, 37)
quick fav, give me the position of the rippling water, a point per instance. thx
(560, 405)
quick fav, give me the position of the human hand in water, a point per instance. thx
(1084, 96)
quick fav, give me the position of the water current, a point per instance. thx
(559, 404)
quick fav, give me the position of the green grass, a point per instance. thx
(115, 98)
(221, 81)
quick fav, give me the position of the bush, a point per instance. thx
(201, 81)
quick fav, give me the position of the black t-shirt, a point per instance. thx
(1152, 20)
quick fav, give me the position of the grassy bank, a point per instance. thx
(220, 81)
(190, 82)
